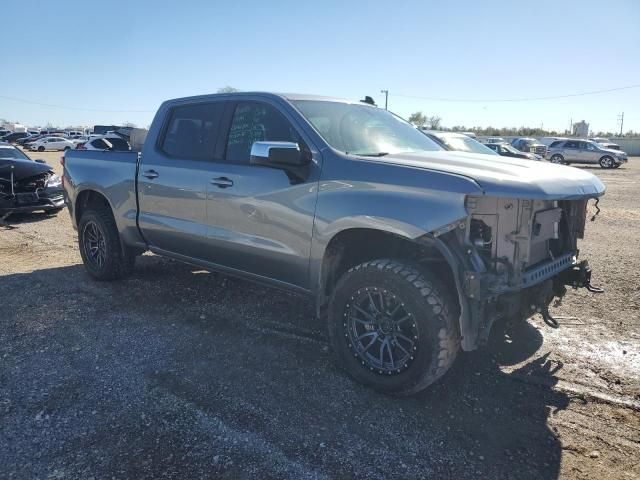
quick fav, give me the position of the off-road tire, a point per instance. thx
(606, 162)
(559, 159)
(433, 307)
(117, 264)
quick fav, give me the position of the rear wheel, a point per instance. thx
(557, 158)
(393, 327)
(100, 247)
(607, 162)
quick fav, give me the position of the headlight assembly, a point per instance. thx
(54, 181)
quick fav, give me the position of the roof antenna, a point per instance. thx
(368, 100)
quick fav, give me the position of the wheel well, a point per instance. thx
(87, 199)
(355, 246)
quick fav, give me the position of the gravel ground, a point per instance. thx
(181, 373)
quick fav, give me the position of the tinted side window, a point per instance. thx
(192, 131)
(555, 144)
(99, 144)
(256, 122)
(119, 144)
(571, 144)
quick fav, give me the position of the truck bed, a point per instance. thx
(112, 174)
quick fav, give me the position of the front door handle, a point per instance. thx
(222, 182)
(150, 174)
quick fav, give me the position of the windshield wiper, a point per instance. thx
(378, 154)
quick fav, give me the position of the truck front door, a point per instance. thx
(260, 219)
(173, 179)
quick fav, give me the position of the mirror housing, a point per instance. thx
(276, 154)
(285, 156)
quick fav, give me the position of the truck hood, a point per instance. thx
(507, 176)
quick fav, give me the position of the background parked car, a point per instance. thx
(458, 142)
(74, 133)
(606, 143)
(549, 140)
(12, 137)
(105, 142)
(4, 132)
(27, 185)
(506, 150)
(585, 151)
(51, 143)
(527, 144)
(494, 140)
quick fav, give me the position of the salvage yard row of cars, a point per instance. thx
(566, 151)
(67, 141)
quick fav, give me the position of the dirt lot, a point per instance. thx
(180, 373)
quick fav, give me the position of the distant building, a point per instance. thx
(580, 129)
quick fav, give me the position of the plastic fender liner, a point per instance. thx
(470, 310)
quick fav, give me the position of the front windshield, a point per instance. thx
(363, 130)
(12, 153)
(465, 144)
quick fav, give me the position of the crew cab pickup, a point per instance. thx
(410, 252)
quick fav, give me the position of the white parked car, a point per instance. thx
(51, 143)
(105, 142)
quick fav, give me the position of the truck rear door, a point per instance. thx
(173, 179)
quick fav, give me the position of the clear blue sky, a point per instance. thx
(132, 55)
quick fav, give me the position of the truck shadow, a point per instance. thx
(231, 378)
(16, 219)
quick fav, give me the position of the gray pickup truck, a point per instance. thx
(410, 252)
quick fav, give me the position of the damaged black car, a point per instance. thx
(27, 185)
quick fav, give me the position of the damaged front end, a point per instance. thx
(24, 190)
(515, 256)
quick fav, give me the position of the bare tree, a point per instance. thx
(418, 119)
(434, 122)
(228, 89)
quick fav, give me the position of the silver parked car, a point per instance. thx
(458, 142)
(585, 151)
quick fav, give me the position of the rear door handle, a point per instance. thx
(222, 182)
(150, 174)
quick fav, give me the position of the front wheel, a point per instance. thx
(100, 247)
(41, 149)
(557, 159)
(393, 327)
(607, 162)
